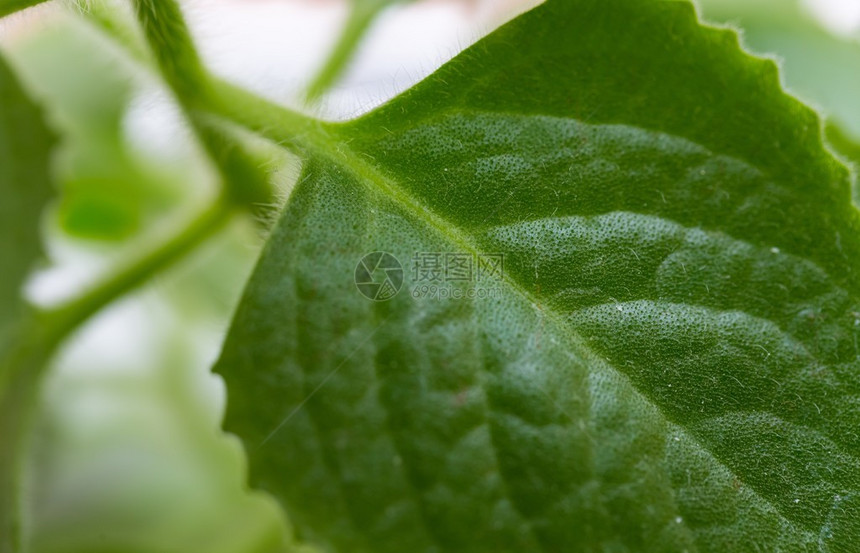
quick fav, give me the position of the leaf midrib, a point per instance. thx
(328, 147)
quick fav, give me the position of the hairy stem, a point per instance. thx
(288, 128)
(362, 14)
(170, 43)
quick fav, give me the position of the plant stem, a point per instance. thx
(24, 359)
(22, 368)
(289, 128)
(222, 99)
(362, 13)
(23, 364)
(170, 43)
(164, 27)
(65, 318)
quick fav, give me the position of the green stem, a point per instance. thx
(62, 320)
(288, 128)
(22, 368)
(23, 365)
(170, 43)
(362, 14)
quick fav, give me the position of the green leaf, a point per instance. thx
(846, 146)
(97, 162)
(669, 362)
(816, 63)
(25, 188)
(11, 6)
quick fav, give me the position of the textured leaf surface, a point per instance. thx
(25, 188)
(671, 363)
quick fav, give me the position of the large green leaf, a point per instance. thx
(670, 360)
(25, 188)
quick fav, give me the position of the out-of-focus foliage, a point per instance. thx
(361, 16)
(127, 457)
(25, 189)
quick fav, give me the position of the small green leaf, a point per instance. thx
(25, 189)
(669, 362)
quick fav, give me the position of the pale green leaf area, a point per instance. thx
(127, 462)
(671, 362)
(110, 191)
(127, 457)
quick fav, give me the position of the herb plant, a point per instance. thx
(591, 286)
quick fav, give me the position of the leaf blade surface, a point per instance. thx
(671, 360)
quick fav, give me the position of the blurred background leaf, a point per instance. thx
(128, 456)
(109, 191)
(26, 144)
